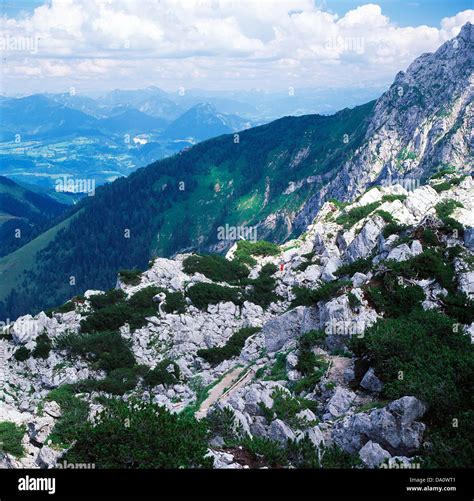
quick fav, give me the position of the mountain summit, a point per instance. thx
(422, 122)
(202, 122)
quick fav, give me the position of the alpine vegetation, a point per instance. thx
(361, 357)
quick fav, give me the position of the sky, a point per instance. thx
(99, 45)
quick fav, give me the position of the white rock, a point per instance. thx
(340, 402)
(280, 431)
(372, 454)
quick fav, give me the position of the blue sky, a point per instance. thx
(403, 12)
(409, 12)
(218, 44)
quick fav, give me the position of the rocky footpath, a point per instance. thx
(299, 377)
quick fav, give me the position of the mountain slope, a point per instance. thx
(202, 122)
(23, 214)
(180, 202)
(272, 179)
(40, 118)
(132, 121)
(294, 353)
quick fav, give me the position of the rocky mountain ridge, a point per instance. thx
(424, 120)
(278, 341)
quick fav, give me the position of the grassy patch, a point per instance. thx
(354, 215)
(216, 268)
(246, 251)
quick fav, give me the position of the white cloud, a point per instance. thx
(214, 43)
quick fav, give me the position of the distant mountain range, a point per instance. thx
(46, 137)
(274, 178)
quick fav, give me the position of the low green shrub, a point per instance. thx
(66, 307)
(221, 422)
(354, 215)
(216, 268)
(135, 434)
(459, 306)
(111, 297)
(429, 264)
(421, 354)
(112, 310)
(392, 198)
(444, 210)
(108, 318)
(203, 294)
(450, 169)
(74, 413)
(143, 304)
(392, 229)
(448, 446)
(338, 203)
(272, 452)
(362, 265)
(11, 436)
(394, 299)
(142, 300)
(231, 349)
(22, 354)
(117, 382)
(278, 370)
(286, 407)
(354, 301)
(386, 216)
(175, 302)
(447, 185)
(307, 383)
(334, 457)
(263, 287)
(297, 454)
(161, 375)
(106, 350)
(308, 297)
(130, 277)
(43, 346)
(429, 238)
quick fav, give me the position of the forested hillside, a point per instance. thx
(179, 202)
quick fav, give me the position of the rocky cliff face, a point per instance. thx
(424, 121)
(295, 374)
